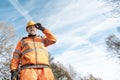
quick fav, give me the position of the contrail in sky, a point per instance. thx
(20, 9)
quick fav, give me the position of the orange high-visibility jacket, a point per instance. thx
(32, 50)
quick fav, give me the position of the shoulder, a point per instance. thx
(22, 41)
(24, 38)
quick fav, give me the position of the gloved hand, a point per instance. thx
(14, 75)
(39, 26)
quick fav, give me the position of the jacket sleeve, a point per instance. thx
(49, 38)
(16, 57)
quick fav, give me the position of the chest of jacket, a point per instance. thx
(33, 51)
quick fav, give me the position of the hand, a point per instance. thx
(39, 26)
(14, 75)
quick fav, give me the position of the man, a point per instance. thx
(32, 56)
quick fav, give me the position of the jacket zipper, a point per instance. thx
(35, 49)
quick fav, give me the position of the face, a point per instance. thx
(31, 30)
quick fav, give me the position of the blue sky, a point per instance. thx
(80, 27)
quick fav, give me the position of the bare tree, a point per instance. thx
(115, 8)
(91, 77)
(7, 36)
(59, 71)
(63, 73)
(113, 45)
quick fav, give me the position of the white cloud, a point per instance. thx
(90, 59)
(76, 11)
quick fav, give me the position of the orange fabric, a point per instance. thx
(36, 74)
(33, 51)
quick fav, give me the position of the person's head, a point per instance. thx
(30, 28)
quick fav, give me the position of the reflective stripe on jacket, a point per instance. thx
(32, 50)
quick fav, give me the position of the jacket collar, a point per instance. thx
(32, 36)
